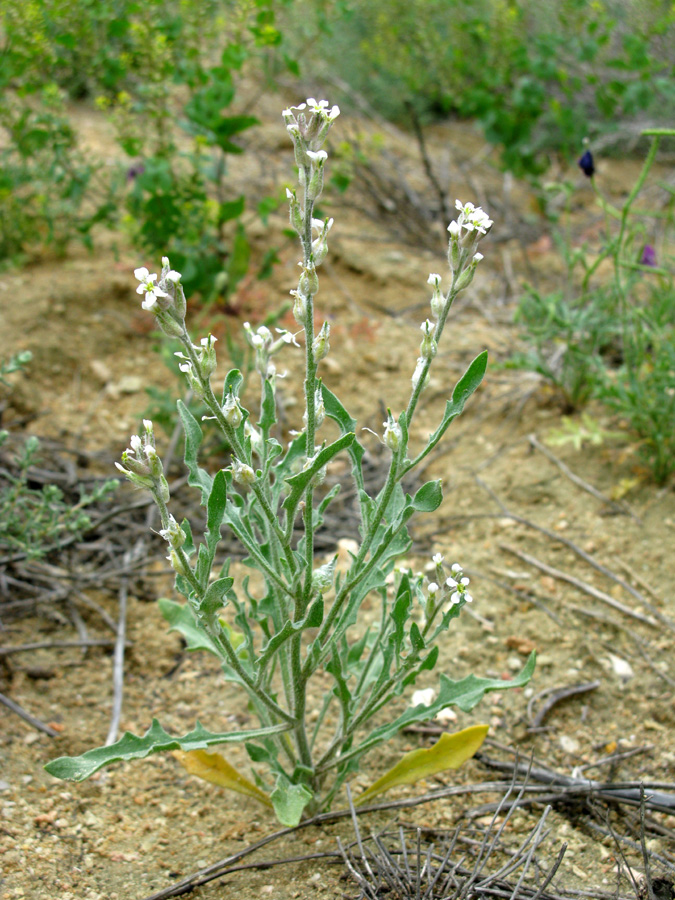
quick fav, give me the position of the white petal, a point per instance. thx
(141, 273)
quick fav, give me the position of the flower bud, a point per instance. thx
(392, 433)
(322, 578)
(141, 481)
(206, 357)
(295, 211)
(243, 474)
(437, 298)
(299, 308)
(154, 462)
(169, 324)
(320, 345)
(315, 186)
(173, 534)
(419, 370)
(163, 485)
(232, 411)
(454, 252)
(428, 347)
(308, 285)
(177, 564)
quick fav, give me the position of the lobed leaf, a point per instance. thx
(155, 740)
(465, 694)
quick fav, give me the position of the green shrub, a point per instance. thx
(539, 77)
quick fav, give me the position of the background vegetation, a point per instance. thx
(538, 78)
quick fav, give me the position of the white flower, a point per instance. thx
(148, 287)
(477, 257)
(437, 559)
(316, 107)
(473, 218)
(318, 156)
(424, 697)
(454, 229)
(287, 337)
(173, 276)
(435, 280)
(455, 567)
(433, 589)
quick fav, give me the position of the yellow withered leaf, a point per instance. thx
(449, 752)
(215, 768)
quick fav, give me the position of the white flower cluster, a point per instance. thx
(472, 224)
(266, 346)
(164, 298)
(142, 465)
(452, 589)
(308, 125)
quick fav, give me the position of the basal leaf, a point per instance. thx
(289, 801)
(155, 740)
(215, 768)
(449, 752)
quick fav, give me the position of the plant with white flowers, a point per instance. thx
(280, 643)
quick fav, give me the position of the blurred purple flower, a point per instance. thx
(135, 170)
(586, 164)
(648, 257)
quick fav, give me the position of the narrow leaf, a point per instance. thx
(449, 752)
(464, 388)
(215, 768)
(299, 482)
(215, 510)
(155, 740)
(336, 411)
(198, 477)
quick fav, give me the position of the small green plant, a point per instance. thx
(279, 642)
(33, 520)
(50, 193)
(180, 198)
(613, 341)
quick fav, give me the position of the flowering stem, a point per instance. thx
(229, 432)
